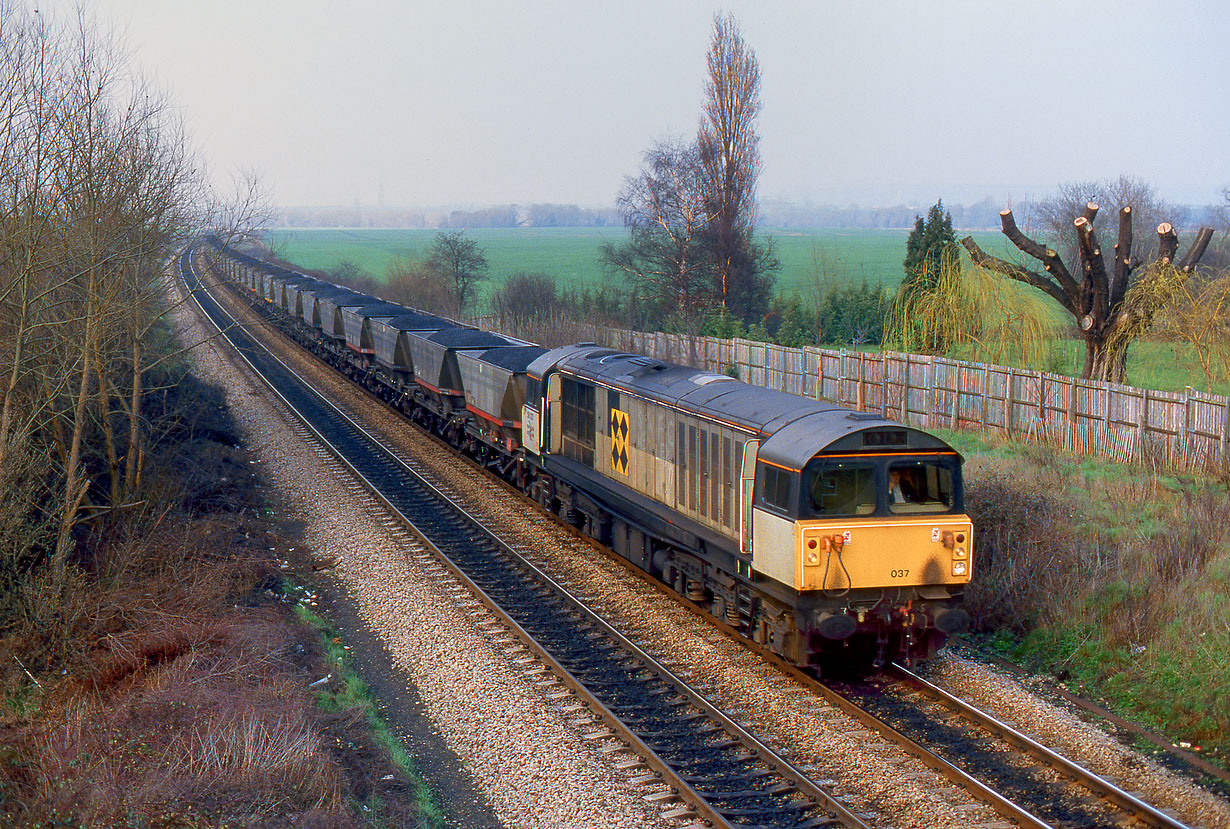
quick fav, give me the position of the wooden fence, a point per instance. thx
(1185, 430)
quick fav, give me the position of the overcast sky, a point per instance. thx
(454, 102)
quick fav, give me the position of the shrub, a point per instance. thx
(1030, 559)
(525, 296)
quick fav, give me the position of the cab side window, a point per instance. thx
(775, 488)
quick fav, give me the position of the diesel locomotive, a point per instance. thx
(835, 538)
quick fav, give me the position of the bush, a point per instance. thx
(854, 316)
(525, 296)
(1030, 557)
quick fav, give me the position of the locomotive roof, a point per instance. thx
(792, 429)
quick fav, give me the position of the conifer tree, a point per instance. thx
(932, 278)
(930, 241)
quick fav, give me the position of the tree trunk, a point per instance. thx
(135, 452)
(75, 480)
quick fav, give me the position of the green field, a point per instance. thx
(571, 255)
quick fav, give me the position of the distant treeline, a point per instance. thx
(982, 214)
(502, 215)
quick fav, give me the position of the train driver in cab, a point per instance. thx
(900, 490)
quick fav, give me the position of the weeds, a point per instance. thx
(169, 684)
(1112, 579)
(352, 694)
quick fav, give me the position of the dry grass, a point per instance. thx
(184, 693)
(1111, 578)
(1029, 550)
(168, 684)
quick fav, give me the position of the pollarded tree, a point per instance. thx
(1112, 306)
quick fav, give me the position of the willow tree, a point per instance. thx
(954, 307)
(1111, 305)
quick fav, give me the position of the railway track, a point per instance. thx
(1022, 779)
(716, 771)
(1024, 782)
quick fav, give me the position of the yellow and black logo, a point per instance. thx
(619, 441)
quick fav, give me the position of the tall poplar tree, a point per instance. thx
(730, 163)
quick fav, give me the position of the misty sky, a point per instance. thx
(473, 103)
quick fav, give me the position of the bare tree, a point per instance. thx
(96, 188)
(416, 284)
(462, 264)
(729, 154)
(666, 211)
(1112, 306)
(245, 213)
(1051, 218)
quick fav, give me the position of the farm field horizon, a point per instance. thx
(572, 255)
(846, 256)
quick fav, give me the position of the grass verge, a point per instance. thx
(1110, 578)
(349, 693)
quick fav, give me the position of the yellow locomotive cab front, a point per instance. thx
(841, 554)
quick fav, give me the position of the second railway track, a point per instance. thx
(756, 786)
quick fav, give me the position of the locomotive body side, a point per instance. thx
(724, 491)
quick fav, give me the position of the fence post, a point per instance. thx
(841, 376)
(986, 394)
(858, 392)
(884, 384)
(1042, 398)
(1187, 416)
(1225, 433)
(905, 391)
(1009, 401)
(956, 397)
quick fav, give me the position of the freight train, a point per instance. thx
(834, 538)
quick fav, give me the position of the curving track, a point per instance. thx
(720, 770)
(726, 775)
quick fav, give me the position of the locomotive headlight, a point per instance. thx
(813, 558)
(958, 568)
(959, 552)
